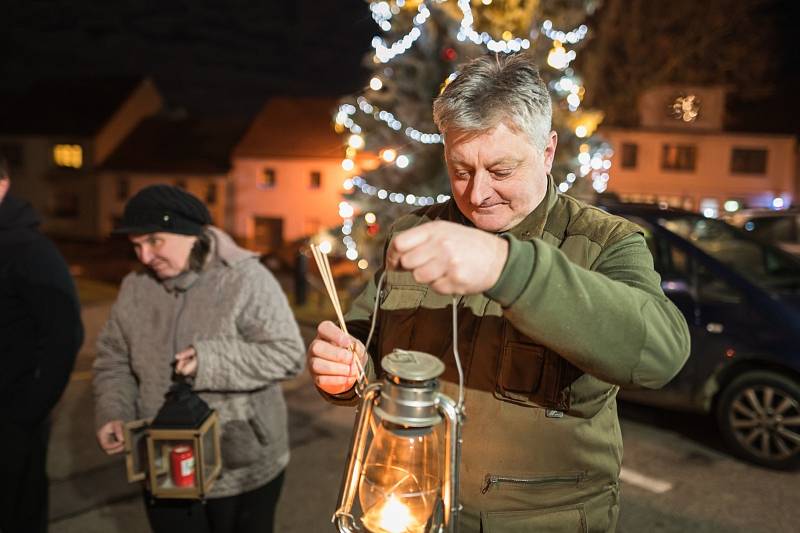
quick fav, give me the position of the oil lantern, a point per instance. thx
(178, 452)
(404, 454)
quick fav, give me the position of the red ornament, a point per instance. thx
(373, 229)
(449, 54)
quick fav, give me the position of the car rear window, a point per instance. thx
(772, 229)
(762, 263)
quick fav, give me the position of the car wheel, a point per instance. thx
(759, 417)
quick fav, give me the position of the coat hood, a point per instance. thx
(223, 250)
(18, 220)
(226, 249)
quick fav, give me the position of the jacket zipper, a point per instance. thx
(566, 478)
(178, 314)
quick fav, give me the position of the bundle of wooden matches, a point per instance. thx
(324, 267)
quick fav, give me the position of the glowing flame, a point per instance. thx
(395, 517)
(391, 517)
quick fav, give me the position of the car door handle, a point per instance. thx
(715, 327)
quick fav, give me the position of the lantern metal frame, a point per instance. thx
(154, 464)
(135, 458)
(414, 402)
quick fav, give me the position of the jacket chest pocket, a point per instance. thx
(533, 376)
(397, 309)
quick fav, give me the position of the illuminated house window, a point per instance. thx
(266, 179)
(68, 155)
(678, 157)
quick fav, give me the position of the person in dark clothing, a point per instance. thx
(40, 334)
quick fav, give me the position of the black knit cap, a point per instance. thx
(164, 208)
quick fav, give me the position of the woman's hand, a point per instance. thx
(186, 362)
(111, 437)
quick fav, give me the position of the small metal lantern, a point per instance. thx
(403, 482)
(177, 452)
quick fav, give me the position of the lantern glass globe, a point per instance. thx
(401, 480)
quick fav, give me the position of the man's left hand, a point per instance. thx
(186, 362)
(449, 257)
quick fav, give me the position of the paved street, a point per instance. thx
(677, 477)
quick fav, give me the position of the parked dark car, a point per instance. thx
(741, 300)
(781, 227)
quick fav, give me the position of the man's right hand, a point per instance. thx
(111, 437)
(331, 361)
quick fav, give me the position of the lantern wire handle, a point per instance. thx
(456, 355)
(375, 308)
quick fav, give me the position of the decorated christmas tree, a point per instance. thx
(393, 151)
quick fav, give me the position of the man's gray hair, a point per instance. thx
(493, 89)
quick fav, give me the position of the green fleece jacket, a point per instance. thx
(577, 312)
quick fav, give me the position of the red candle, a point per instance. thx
(182, 462)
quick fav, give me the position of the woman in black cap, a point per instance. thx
(207, 309)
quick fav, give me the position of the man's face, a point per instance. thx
(498, 176)
(166, 254)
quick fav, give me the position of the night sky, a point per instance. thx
(225, 58)
(228, 57)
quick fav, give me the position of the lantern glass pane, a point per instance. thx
(211, 454)
(136, 444)
(401, 480)
(175, 462)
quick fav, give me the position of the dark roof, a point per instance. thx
(179, 145)
(689, 131)
(293, 127)
(775, 113)
(65, 107)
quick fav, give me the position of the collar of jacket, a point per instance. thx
(531, 226)
(222, 249)
(225, 249)
(182, 282)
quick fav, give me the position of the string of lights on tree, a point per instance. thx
(359, 116)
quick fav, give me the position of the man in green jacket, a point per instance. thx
(559, 308)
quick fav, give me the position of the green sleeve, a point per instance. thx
(613, 321)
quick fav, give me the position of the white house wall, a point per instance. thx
(712, 176)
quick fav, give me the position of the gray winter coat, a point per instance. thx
(237, 318)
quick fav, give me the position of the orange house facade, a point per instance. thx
(682, 156)
(286, 176)
(267, 180)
